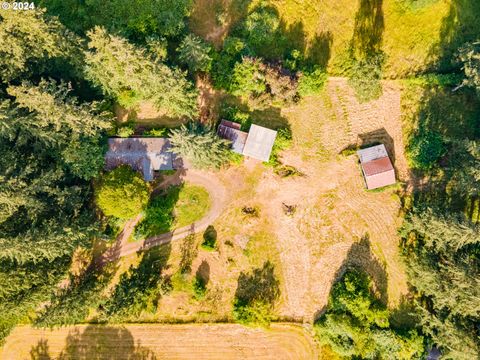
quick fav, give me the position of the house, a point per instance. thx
(257, 143)
(145, 155)
(376, 166)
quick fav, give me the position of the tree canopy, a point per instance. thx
(122, 193)
(129, 74)
(200, 145)
(356, 324)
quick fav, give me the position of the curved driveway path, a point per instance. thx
(217, 194)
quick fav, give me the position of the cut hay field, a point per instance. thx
(219, 341)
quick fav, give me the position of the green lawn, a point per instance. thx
(180, 206)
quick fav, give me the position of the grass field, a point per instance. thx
(211, 342)
(416, 36)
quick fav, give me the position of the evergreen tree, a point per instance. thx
(200, 146)
(195, 53)
(27, 40)
(443, 266)
(128, 74)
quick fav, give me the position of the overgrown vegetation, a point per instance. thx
(356, 324)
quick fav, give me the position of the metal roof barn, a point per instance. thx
(377, 168)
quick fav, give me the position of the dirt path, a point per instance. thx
(154, 341)
(217, 194)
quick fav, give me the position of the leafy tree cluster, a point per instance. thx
(137, 20)
(200, 146)
(129, 74)
(356, 324)
(122, 193)
(441, 252)
(256, 295)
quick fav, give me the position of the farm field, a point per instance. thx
(225, 341)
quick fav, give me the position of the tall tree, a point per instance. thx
(195, 53)
(129, 74)
(28, 39)
(441, 252)
(200, 146)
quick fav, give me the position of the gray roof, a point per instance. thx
(142, 154)
(372, 153)
(259, 142)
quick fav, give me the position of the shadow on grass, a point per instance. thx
(361, 256)
(97, 342)
(141, 287)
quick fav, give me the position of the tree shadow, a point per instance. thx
(259, 285)
(319, 51)
(104, 342)
(369, 27)
(40, 351)
(140, 288)
(459, 26)
(361, 256)
(203, 272)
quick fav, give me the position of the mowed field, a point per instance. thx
(225, 341)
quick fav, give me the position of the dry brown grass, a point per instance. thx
(222, 341)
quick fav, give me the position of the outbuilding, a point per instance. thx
(257, 143)
(376, 166)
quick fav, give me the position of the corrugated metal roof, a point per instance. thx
(377, 166)
(259, 142)
(372, 153)
(231, 131)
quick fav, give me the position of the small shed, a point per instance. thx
(145, 155)
(259, 142)
(231, 131)
(377, 168)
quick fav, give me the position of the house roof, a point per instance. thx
(231, 131)
(372, 153)
(259, 142)
(142, 154)
(377, 166)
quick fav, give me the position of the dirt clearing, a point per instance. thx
(219, 341)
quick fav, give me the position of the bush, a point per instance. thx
(248, 78)
(311, 82)
(282, 142)
(261, 26)
(199, 287)
(160, 132)
(126, 130)
(424, 149)
(365, 78)
(122, 193)
(356, 324)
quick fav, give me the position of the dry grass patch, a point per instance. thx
(219, 341)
